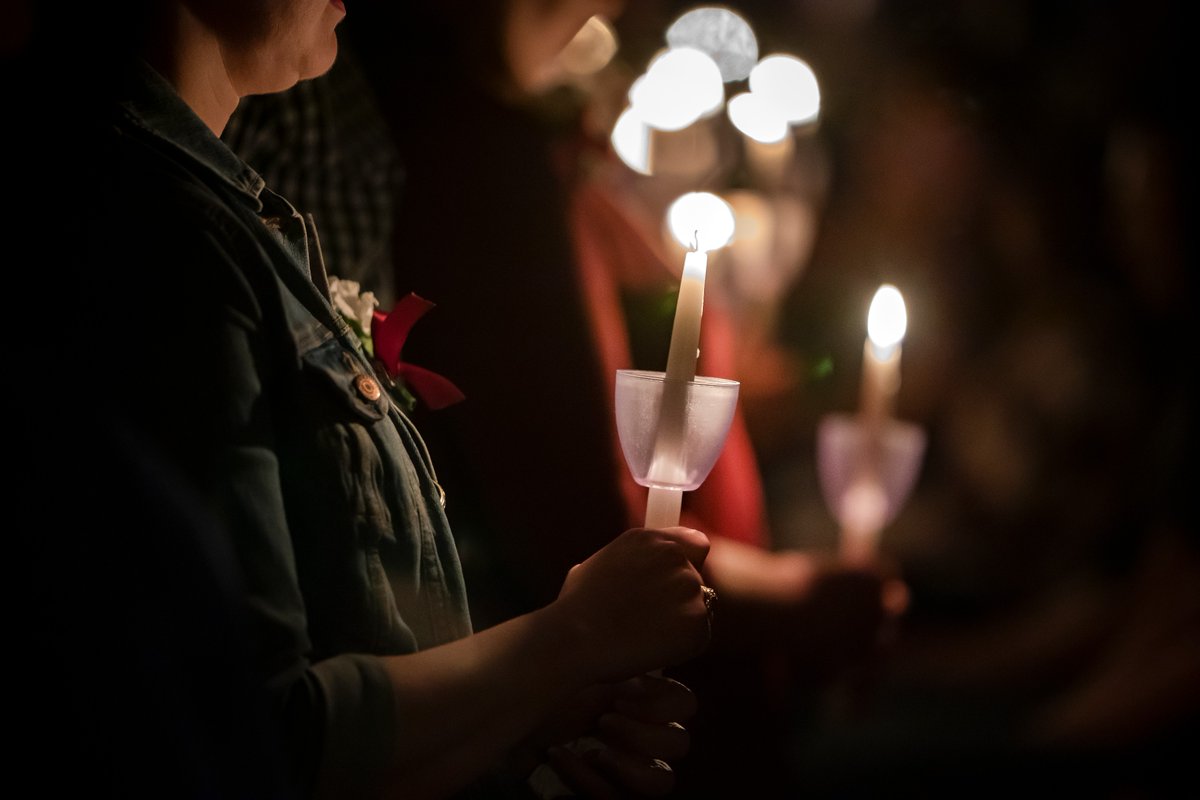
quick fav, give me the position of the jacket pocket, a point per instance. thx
(351, 381)
(348, 437)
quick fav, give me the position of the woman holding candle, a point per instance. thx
(533, 329)
(261, 418)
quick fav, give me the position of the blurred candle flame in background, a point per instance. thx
(887, 319)
(590, 50)
(790, 85)
(758, 117)
(679, 87)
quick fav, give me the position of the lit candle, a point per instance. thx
(865, 505)
(887, 322)
(703, 222)
(685, 333)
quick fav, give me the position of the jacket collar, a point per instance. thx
(151, 103)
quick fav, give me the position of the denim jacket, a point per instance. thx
(225, 353)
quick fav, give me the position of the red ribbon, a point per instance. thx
(388, 334)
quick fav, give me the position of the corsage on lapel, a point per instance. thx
(383, 336)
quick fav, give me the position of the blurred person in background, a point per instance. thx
(1015, 170)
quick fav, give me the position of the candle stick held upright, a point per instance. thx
(701, 222)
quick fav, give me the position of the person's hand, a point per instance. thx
(637, 729)
(827, 615)
(841, 620)
(637, 603)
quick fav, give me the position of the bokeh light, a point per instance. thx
(679, 87)
(757, 117)
(790, 85)
(590, 50)
(631, 141)
(719, 32)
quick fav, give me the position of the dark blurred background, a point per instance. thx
(1018, 170)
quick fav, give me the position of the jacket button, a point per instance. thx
(368, 388)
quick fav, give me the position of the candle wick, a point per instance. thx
(696, 240)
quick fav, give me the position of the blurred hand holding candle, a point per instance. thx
(703, 222)
(868, 464)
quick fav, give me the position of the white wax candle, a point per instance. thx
(663, 504)
(703, 221)
(685, 332)
(880, 381)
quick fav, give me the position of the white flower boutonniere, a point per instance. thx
(356, 307)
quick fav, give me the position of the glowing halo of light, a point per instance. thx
(679, 87)
(630, 140)
(790, 84)
(721, 33)
(753, 220)
(591, 49)
(751, 249)
(701, 220)
(864, 506)
(757, 117)
(887, 321)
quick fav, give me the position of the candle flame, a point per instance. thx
(701, 221)
(887, 321)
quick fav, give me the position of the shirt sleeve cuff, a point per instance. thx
(360, 726)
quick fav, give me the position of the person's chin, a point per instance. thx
(281, 81)
(319, 63)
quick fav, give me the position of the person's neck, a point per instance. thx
(189, 56)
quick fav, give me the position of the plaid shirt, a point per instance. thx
(325, 146)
